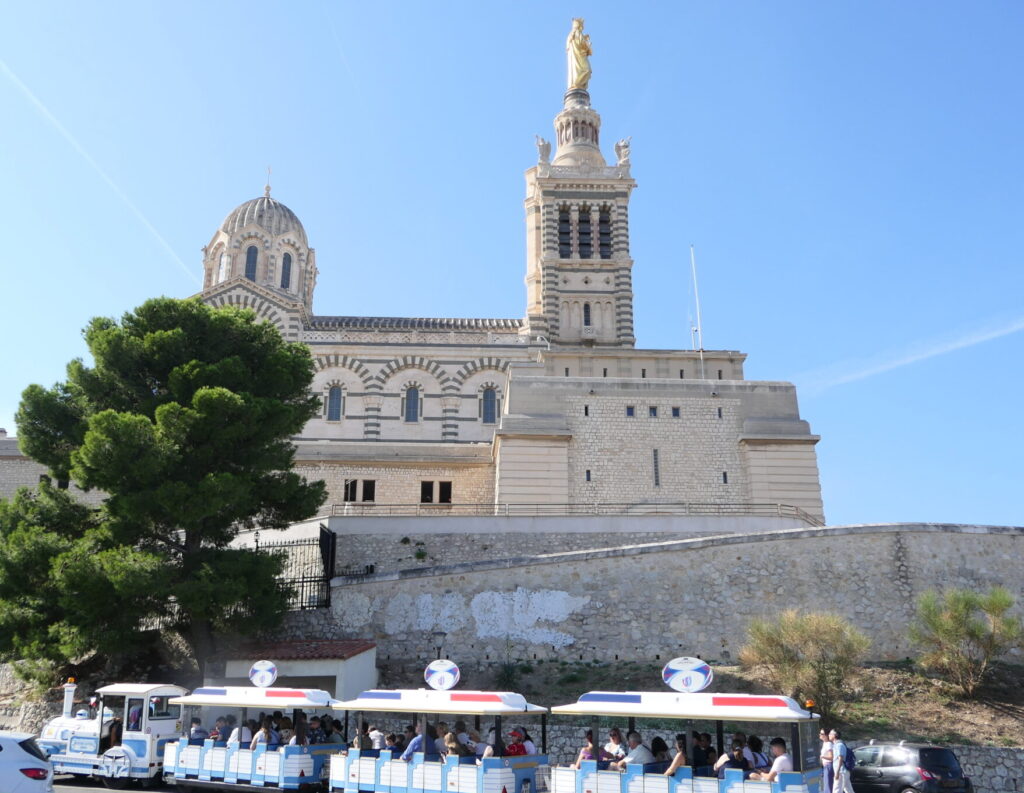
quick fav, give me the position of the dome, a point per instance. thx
(267, 213)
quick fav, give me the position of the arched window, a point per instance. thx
(586, 315)
(412, 404)
(286, 271)
(250, 263)
(225, 265)
(489, 406)
(334, 403)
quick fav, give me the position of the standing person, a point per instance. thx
(839, 750)
(376, 738)
(828, 775)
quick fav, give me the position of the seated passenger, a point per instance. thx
(439, 744)
(134, 718)
(734, 760)
(454, 747)
(761, 762)
(285, 729)
(531, 747)
(495, 746)
(659, 749)
(197, 732)
(587, 752)
(376, 738)
(680, 759)
(362, 739)
(478, 743)
(615, 747)
(459, 728)
(421, 741)
(782, 762)
(638, 753)
(265, 734)
(316, 732)
(515, 746)
(220, 730)
(391, 744)
(300, 737)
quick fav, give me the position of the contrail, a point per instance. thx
(934, 349)
(96, 167)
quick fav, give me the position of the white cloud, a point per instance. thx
(842, 373)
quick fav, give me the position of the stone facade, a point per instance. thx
(657, 600)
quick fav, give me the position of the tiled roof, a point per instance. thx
(341, 649)
(413, 323)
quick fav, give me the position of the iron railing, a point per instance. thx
(363, 509)
(308, 568)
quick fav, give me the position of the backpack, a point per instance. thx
(849, 760)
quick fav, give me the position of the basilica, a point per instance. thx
(554, 410)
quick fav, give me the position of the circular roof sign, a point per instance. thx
(263, 673)
(441, 674)
(688, 675)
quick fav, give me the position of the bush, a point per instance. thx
(807, 656)
(962, 632)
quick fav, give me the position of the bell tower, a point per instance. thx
(579, 283)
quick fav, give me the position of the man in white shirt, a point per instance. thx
(638, 753)
(782, 762)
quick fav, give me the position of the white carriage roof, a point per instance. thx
(254, 697)
(673, 705)
(140, 689)
(423, 700)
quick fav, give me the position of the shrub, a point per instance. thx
(807, 656)
(962, 632)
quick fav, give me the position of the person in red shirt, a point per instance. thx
(515, 746)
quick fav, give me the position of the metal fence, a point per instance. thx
(363, 509)
(308, 568)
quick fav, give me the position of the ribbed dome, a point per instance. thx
(270, 215)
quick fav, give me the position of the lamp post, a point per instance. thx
(439, 637)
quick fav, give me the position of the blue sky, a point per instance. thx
(851, 173)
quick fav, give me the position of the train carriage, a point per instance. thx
(377, 771)
(786, 718)
(218, 765)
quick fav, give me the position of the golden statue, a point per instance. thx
(577, 47)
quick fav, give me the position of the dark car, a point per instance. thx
(910, 767)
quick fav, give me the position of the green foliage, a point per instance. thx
(962, 632)
(807, 656)
(184, 422)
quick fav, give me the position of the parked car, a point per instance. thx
(24, 767)
(908, 768)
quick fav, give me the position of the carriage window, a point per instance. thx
(160, 709)
(134, 717)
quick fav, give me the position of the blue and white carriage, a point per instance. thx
(784, 716)
(120, 739)
(218, 765)
(377, 771)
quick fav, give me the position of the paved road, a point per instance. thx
(73, 784)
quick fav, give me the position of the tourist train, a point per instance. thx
(141, 732)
